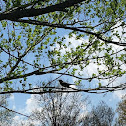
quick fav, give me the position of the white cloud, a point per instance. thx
(92, 67)
(74, 43)
(20, 121)
(119, 94)
(119, 29)
(11, 97)
(31, 104)
(16, 118)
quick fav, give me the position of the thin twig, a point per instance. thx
(14, 111)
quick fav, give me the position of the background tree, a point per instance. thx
(83, 40)
(122, 112)
(6, 116)
(101, 115)
(30, 36)
(59, 109)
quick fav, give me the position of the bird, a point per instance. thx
(64, 84)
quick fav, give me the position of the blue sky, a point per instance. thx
(21, 102)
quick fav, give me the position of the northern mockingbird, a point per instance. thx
(64, 84)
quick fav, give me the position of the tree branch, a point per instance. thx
(37, 72)
(30, 12)
(98, 35)
(26, 51)
(98, 90)
(14, 111)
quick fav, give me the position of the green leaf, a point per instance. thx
(99, 84)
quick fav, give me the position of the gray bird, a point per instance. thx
(64, 84)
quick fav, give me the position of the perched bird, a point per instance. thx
(64, 84)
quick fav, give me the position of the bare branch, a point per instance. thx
(37, 72)
(14, 111)
(99, 90)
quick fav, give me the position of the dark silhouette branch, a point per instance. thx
(97, 35)
(30, 12)
(14, 111)
(99, 90)
(89, 78)
(73, 62)
(15, 56)
(37, 72)
(26, 51)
